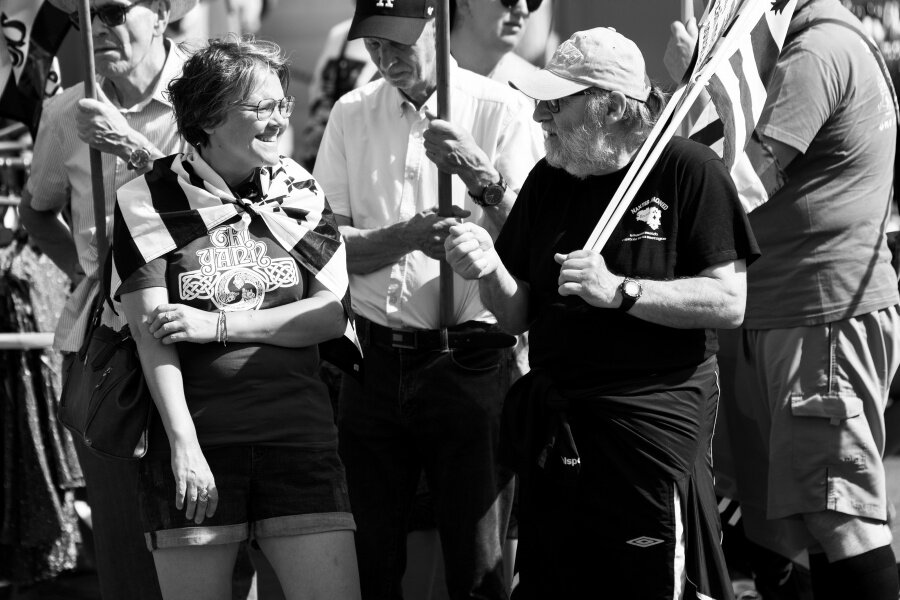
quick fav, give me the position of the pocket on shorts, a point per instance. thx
(830, 430)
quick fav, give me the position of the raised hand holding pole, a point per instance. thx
(90, 91)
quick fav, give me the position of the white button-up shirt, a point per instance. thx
(61, 177)
(373, 168)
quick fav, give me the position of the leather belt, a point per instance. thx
(471, 334)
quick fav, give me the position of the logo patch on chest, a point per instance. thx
(645, 221)
(236, 272)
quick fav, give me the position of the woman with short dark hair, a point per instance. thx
(232, 272)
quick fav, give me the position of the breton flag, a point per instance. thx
(183, 198)
(737, 47)
(32, 33)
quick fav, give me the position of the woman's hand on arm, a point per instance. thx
(170, 323)
(162, 370)
(317, 318)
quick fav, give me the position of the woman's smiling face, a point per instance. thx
(242, 142)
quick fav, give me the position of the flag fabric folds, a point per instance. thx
(182, 198)
(738, 87)
(737, 91)
(32, 33)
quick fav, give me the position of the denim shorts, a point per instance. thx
(264, 491)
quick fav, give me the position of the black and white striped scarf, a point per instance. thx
(183, 198)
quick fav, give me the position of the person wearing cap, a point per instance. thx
(132, 124)
(432, 392)
(610, 431)
(804, 396)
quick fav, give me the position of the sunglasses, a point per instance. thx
(265, 108)
(532, 5)
(111, 15)
(553, 105)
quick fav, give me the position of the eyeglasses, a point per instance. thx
(553, 105)
(265, 108)
(111, 15)
(532, 5)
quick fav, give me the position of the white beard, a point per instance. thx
(580, 152)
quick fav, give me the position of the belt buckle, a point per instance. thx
(405, 340)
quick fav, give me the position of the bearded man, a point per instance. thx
(610, 432)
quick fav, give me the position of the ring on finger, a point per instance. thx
(203, 496)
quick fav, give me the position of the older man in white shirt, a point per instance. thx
(433, 392)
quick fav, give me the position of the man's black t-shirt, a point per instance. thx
(685, 218)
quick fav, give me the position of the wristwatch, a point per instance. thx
(631, 291)
(139, 159)
(492, 194)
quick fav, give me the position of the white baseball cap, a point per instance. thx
(600, 57)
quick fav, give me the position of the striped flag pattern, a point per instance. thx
(32, 33)
(182, 199)
(737, 90)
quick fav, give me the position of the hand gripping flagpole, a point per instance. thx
(90, 91)
(445, 180)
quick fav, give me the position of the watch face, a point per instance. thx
(493, 195)
(140, 158)
(631, 288)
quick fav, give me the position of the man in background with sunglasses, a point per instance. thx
(132, 124)
(484, 33)
(433, 391)
(611, 429)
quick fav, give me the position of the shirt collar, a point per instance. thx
(171, 69)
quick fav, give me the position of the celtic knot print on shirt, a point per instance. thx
(236, 272)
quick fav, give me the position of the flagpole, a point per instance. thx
(90, 91)
(445, 180)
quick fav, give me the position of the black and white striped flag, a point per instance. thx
(32, 33)
(182, 199)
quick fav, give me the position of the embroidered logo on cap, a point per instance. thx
(385, 4)
(567, 54)
(644, 541)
